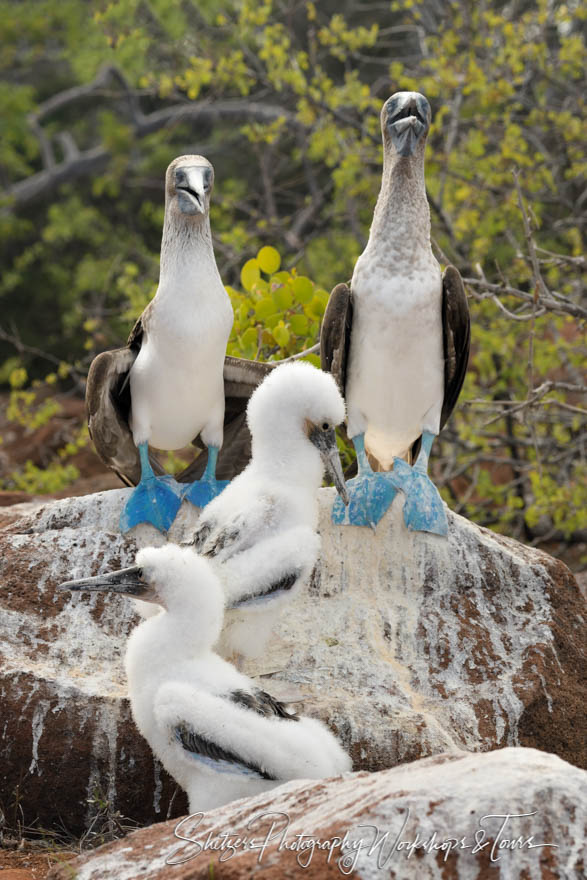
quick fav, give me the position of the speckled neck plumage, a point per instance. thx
(401, 220)
(184, 239)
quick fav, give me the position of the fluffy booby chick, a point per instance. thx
(398, 340)
(213, 730)
(175, 353)
(260, 533)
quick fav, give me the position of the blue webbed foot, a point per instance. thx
(423, 508)
(201, 492)
(155, 500)
(370, 496)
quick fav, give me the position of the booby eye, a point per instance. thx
(325, 426)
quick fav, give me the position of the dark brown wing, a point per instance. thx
(135, 337)
(202, 747)
(263, 704)
(456, 326)
(108, 408)
(241, 377)
(335, 336)
(456, 335)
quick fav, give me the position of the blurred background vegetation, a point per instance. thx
(284, 99)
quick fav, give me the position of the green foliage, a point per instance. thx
(43, 481)
(277, 313)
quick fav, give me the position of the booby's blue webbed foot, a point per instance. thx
(155, 500)
(201, 492)
(423, 508)
(370, 493)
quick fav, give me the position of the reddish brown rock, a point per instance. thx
(407, 644)
(68, 744)
(442, 818)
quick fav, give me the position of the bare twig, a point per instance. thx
(15, 340)
(560, 306)
(81, 163)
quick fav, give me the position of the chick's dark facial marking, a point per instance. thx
(323, 437)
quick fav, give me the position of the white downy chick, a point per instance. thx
(213, 730)
(260, 533)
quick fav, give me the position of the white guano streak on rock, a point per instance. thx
(39, 714)
(104, 751)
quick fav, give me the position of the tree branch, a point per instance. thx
(560, 306)
(81, 163)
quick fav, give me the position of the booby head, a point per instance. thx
(188, 185)
(176, 578)
(405, 121)
(292, 415)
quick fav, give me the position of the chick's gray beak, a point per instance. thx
(325, 443)
(127, 580)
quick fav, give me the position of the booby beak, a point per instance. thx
(325, 442)
(192, 184)
(407, 120)
(128, 581)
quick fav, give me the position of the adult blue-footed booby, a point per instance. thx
(213, 730)
(260, 533)
(397, 341)
(167, 387)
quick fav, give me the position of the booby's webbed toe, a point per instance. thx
(423, 509)
(155, 500)
(201, 492)
(370, 495)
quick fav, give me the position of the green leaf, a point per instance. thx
(264, 308)
(269, 260)
(299, 324)
(281, 334)
(283, 298)
(303, 289)
(250, 274)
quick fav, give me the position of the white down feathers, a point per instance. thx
(175, 680)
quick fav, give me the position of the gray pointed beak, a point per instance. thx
(192, 184)
(325, 443)
(408, 120)
(405, 134)
(128, 581)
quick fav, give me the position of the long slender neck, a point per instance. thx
(401, 221)
(188, 266)
(185, 242)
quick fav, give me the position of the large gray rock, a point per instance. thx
(438, 818)
(407, 644)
